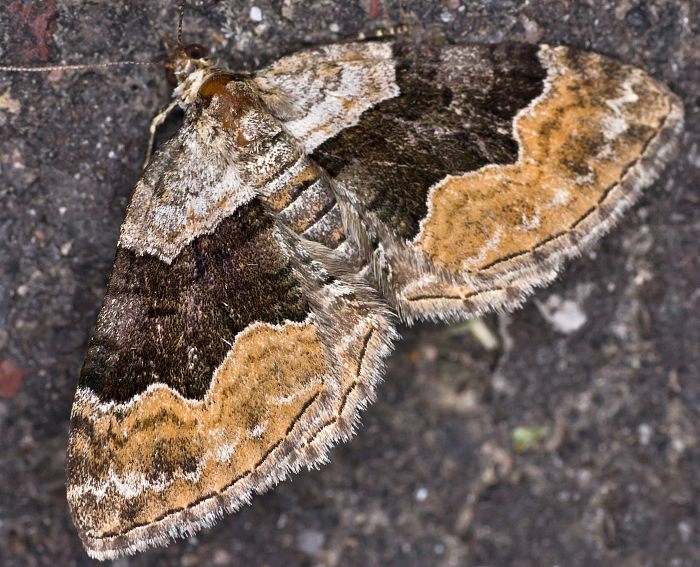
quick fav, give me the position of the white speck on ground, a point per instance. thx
(256, 14)
(644, 431)
(310, 541)
(565, 315)
(447, 16)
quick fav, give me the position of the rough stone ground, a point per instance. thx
(567, 445)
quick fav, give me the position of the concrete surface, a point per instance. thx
(575, 442)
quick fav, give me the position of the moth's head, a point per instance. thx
(186, 60)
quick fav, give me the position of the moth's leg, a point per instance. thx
(157, 121)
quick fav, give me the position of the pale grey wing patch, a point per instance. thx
(211, 167)
(182, 194)
(320, 92)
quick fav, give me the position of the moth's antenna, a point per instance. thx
(84, 66)
(179, 22)
(77, 67)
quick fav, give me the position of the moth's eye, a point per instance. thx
(196, 51)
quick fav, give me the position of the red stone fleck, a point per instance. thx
(10, 379)
(38, 17)
(375, 8)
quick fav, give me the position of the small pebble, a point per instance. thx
(310, 541)
(565, 315)
(422, 494)
(447, 16)
(685, 530)
(644, 431)
(256, 14)
(55, 75)
(221, 558)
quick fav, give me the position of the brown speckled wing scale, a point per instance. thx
(493, 165)
(272, 241)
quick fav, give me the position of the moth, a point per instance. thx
(298, 214)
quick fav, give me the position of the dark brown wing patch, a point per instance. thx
(454, 115)
(174, 323)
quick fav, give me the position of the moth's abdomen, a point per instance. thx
(304, 200)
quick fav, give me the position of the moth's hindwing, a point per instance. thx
(211, 377)
(478, 169)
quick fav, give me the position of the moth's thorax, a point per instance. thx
(228, 106)
(233, 104)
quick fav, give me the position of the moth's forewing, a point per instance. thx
(228, 352)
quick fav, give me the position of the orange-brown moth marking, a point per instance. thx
(503, 211)
(286, 194)
(262, 388)
(351, 381)
(229, 101)
(216, 85)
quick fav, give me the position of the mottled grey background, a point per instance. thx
(575, 442)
